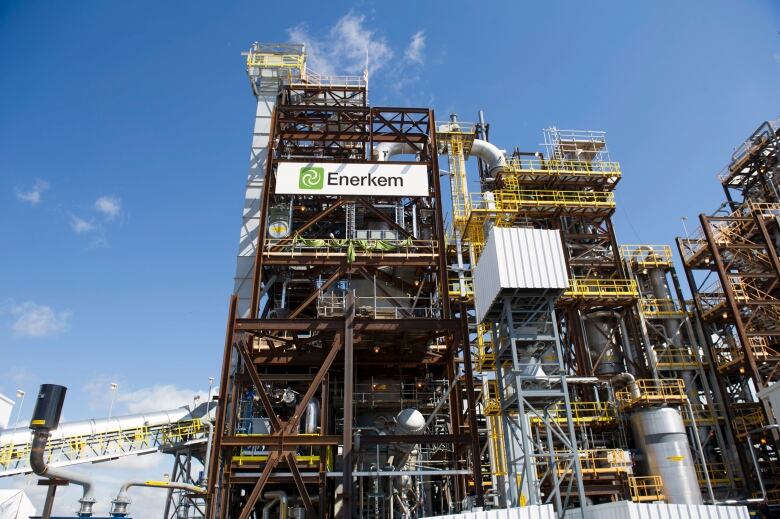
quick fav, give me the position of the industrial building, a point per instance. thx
(400, 345)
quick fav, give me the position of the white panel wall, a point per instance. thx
(629, 510)
(252, 201)
(526, 512)
(518, 258)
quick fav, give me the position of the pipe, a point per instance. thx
(493, 157)
(384, 150)
(274, 496)
(629, 381)
(312, 416)
(208, 449)
(122, 501)
(39, 466)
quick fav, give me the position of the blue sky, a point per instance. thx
(125, 130)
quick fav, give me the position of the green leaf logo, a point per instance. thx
(311, 178)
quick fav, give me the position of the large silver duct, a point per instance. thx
(22, 435)
(601, 332)
(664, 451)
(493, 157)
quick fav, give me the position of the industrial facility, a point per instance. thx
(400, 345)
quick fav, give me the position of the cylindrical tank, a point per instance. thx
(664, 451)
(600, 328)
(48, 407)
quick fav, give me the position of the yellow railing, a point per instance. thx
(602, 288)
(515, 200)
(275, 60)
(647, 255)
(676, 358)
(652, 391)
(583, 413)
(660, 308)
(732, 354)
(703, 415)
(454, 287)
(594, 462)
(717, 473)
(490, 403)
(747, 419)
(554, 167)
(646, 488)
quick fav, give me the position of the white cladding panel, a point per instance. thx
(6, 406)
(629, 510)
(772, 393)
(526, 512)
(518, 258)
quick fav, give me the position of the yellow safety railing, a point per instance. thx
(305, 456)
(676, 358)
(583, 413)
(527, 166)
(718, 475)
(454, 287)
(274, 60)
(703, 414)
(504, 200)
(660, 308)
(652, 391)
(747, 419)
(729, 355)
(491, 405)
(646, 488)
(602, 288)
(593, 462)
(645, 256)
(486, 356)
(497, 443)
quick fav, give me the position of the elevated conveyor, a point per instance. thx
(94, 441)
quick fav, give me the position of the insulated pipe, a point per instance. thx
(274, 496)
(312, 420)
(384, 150)
(122, 501)
(629, 380)
(39, 466)
(493, 157)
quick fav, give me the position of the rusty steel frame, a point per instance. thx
(291, 126)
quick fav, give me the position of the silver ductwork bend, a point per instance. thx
(384, 150)
(39, 467)
(629, 381)
(493, 157)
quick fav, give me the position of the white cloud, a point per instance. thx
(160, 397)
(33, 196)
(33, 320)
(80, 225)
(346, 48)
(110, 206)
(414, 52)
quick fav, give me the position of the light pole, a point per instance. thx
(684, 221)
(19, 394)
(114, 387)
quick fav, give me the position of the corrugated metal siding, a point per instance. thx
(526, 512)
(517, 258)
(629, 510)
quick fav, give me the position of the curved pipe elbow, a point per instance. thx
(493, 157)
(39, 467)
(629, 381)
(384, 150)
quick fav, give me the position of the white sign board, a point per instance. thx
(327, 178)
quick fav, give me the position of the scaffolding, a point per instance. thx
(732, 267)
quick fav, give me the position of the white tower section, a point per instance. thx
(269, 67)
